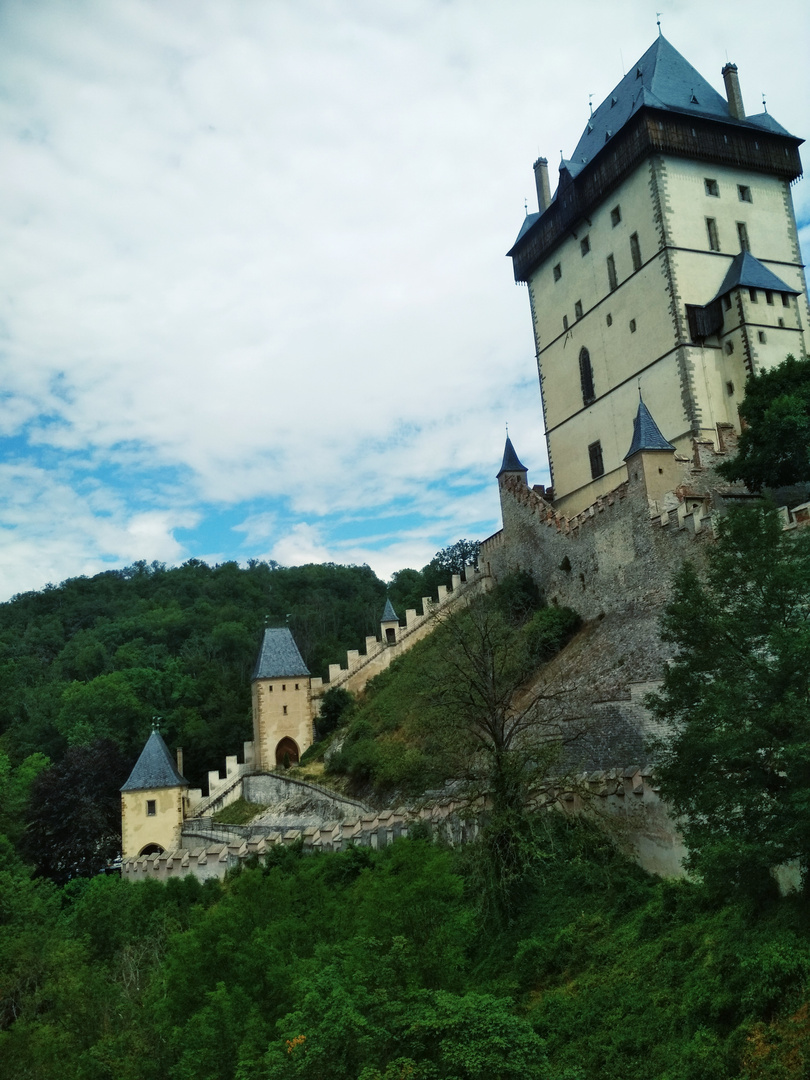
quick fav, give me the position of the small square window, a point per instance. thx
(729, 388)
(711, 231)
(296, 686)
(727, 302)
(785, 299)
(744, 193)
(769, 297)
(632, 326)
(609, 319)
(753, 295)
(742, 236)
(565, 322)
(557, 271)
(578, 309)
(611, 269)
(585, 245)
(762, 337)
(151, 808)
(595, 455)
(729, 347)
(615, 216)
(712, 187)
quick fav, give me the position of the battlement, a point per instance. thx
(378, 655)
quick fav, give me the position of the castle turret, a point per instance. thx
(389, 624)
(651, 458)
(282, 705)
(152, 808)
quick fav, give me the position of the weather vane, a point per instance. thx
(764, 103)
(658, 20)
(590, 103)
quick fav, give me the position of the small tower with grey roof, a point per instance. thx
(389, 624)
(282, 702)
(152, 802)
(651, 458)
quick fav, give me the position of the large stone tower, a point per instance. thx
(666, 262)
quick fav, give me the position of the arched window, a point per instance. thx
(150, 849)
(586, 377)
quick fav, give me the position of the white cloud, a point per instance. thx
(255, 251)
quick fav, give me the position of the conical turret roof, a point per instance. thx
(389, 615)
(646, 434)
(155, 768)
(279, 656)
(511, 462)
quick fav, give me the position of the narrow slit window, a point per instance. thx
(763, 338)
(769, 297)
(586, 377)
(785, 299)
(565, 322)
(595, 455)
(729, 347)
(742, 236)
(585, 245)
(615, 216)
(727, 302)
(557, 271)
(632, 326)
(613, 281)
(578, 309)
(151, 808)
(284, 709)
(635, 251)
(711, 232)
(752, 293)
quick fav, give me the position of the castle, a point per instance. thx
(664, 269)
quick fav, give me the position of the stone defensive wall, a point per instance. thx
(378, 655)
(626, 801)
(620, 552)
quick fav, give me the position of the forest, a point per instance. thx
(540, 951)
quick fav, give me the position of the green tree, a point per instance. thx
(774, 447)
(736, 761)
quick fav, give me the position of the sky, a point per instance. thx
(254, 299)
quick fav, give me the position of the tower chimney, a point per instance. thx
(180, 760)
(541, 180)
(735, 101)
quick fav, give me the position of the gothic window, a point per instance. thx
(586, 377)
(613, 281)
(711, 230)
(595, 455)
(635, 251)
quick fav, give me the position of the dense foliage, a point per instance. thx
(774, 447)
(428, 717)
(736, 764)
(100, 657)
(363, 966)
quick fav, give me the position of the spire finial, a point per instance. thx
(764, 103)
(507, 429)
(639, 388)
(590, 103)
(156, 723)
(658, 21)
(526, 206)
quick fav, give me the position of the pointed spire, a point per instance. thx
(511, 462)
(646, 434)
(155, 768)
(389, 615)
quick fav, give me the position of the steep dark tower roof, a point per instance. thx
(511, 462)
(155, 768)
(747, 272)
(279, 656)
(662, 106)
(646, 435)
(389, 615)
